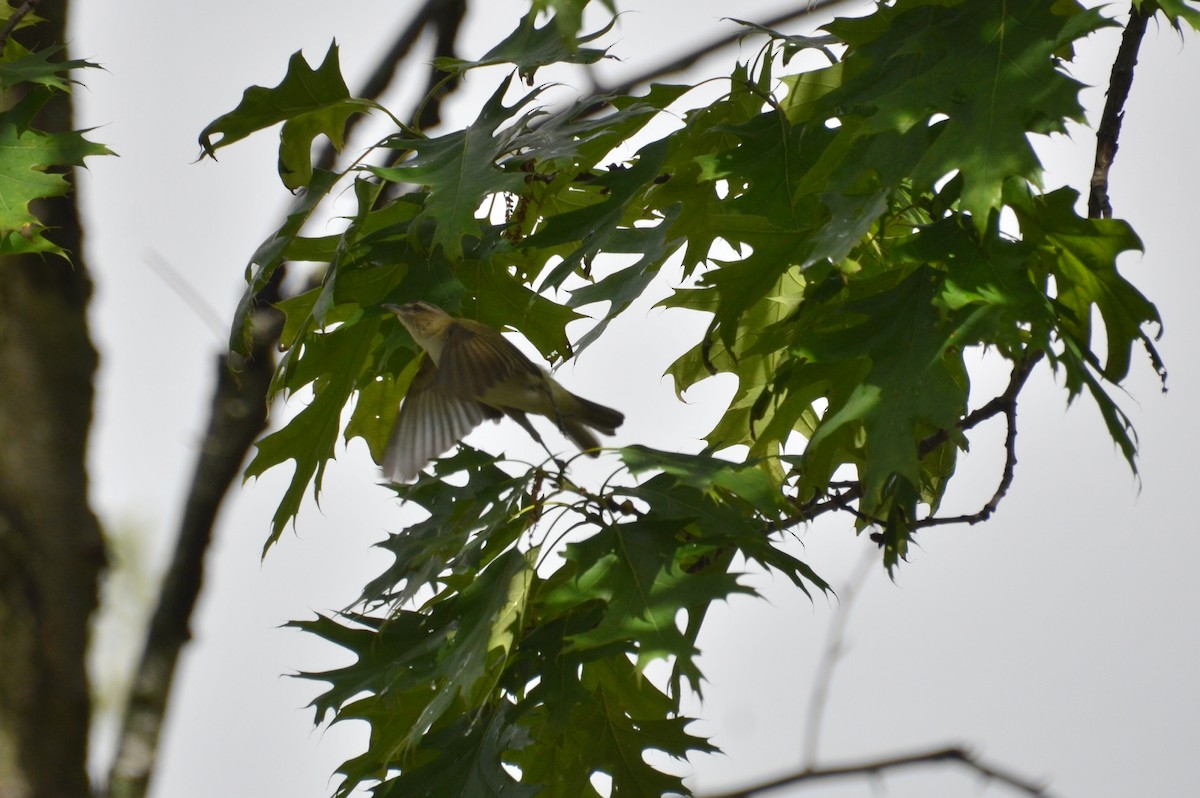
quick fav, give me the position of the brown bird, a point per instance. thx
(471, 373)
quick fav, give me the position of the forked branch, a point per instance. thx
(874, 767)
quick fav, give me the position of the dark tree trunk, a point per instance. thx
(51, 549)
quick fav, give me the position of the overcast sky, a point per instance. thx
(1059, 640)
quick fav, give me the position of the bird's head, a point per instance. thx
(425, 321)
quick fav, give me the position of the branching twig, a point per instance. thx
(997, 405)
(1107, 133)
(953, 754)
(1005, 403)
(841, 495)
(1098, 207)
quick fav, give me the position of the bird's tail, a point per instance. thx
(590, 415)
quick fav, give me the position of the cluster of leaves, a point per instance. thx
(33, 163)
(510, 664)
(842, 227)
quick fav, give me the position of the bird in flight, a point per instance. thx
(470, 373)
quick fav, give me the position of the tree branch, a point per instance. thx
(1005, 403)
(1119, 84)
(1006, 478)
(237, 418)
(835, 647)
(954, 754)
(692, 56)
(239, 414)
(446, 17)
(841, 495)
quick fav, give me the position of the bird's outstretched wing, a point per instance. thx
(472, 362)
(430, 421)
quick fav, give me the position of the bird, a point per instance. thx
(470, 372)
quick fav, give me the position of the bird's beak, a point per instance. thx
(393, 308)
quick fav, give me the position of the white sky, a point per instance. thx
(1059, 640)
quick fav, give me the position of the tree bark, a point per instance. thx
(51, 548)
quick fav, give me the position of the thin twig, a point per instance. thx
(1006, 404)
(997, 405)
(17, 15)
(446, 16)
(834, 649)
(1109, 130)
(692, 56)
(870, 767)
(1006, 479)
(844, 493)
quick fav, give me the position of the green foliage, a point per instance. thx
(33, 162)
(1176, 11)
(852, 231)
(309, 102)
(502, 663)
(530, 47)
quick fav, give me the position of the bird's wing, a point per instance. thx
(430, 421)
(472, 362)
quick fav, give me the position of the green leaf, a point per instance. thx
(568, 15)
(723, 505)
(331, 363)
(20, 65)
(426, 673)
(460, 169)
(27, 160)
(636, 570)
(993, 72)
(270, 255)
(500, 300)
(1082, 254)
(467, 526)
(593, 226)
(602, 717)
(913, 385)
(465, 757)
(375, 409)
(308, 102)
(706, 473)
(529, 47)
(1177, 11)
(626, 285)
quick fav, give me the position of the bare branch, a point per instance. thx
(695, 54)
(1119, 84)
(872, 767)
(1005, 403)
(445, 16)
(239, 414)
(834, 649)
(841, 495)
